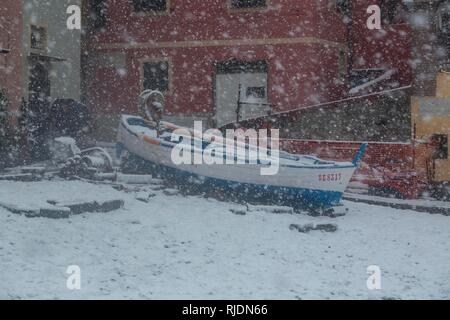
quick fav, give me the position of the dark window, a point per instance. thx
(237, 66)
(149, 5)
(242, 4)
(343, 6)
(97, 14)
(444, 22)
(156, 75)
(38, 37)
(393, 11)
(440, 142)
(256, 92)
(444, 29)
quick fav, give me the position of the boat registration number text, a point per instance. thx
(330, 177)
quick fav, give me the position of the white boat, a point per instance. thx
(301, 180)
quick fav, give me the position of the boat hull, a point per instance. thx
(258, 193)
(306, 186)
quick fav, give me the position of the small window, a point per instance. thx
(98, 13)
(393, 11)
(256, 93)
(444, 18)
(150, 5)
(342, 6)
(156, 75)
(444, 28)
(246, 4)
(440, 143)
(38, 37)
(444, 22)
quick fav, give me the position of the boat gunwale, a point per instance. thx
(165, 144)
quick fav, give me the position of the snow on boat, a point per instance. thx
(301, 180)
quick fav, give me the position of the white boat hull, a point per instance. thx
(320, 186)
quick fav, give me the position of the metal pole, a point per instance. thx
(238, 109)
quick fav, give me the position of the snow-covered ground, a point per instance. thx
(196, 248)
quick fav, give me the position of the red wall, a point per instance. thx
(290, 84)
(299, 74)
(199, 19)
(384, 165)
(10, 38)
(387, 48)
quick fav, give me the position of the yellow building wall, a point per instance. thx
(424, 121)
(442, 170)
(443, 85)
(429, 116)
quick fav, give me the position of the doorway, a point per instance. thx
(37, 110)
(39, 87)
(240, 91)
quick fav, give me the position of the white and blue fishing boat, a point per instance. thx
(301, 180)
